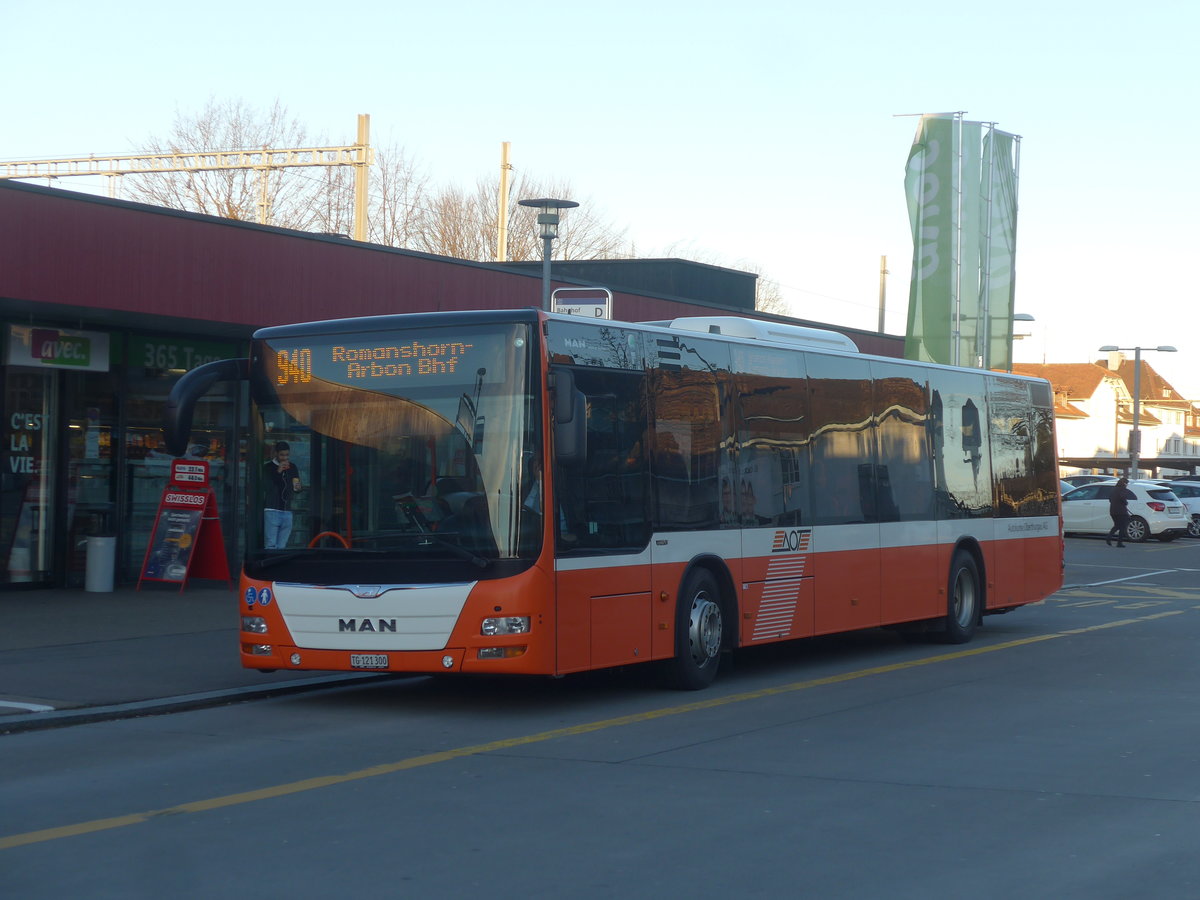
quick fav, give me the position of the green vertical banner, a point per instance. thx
(1000, 248)
(930, 186)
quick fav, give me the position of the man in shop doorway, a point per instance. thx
(282, 480)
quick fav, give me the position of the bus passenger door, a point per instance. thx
(602, 556)
(912, 577)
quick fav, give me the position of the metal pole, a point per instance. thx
(546, 272)
(956, 262)
(883, 273)
(984, 339)
(1135, 436)
(362, 157)
(264, 203)
(502, 206)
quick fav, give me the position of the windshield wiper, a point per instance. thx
(310, 552)
(461, 552)
(423, 539)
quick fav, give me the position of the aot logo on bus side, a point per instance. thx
(795, 540)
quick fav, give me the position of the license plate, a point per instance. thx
(369, 660)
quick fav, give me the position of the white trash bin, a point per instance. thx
(101, 563)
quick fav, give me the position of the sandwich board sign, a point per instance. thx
(186, 541)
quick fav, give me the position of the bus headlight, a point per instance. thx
(501, 652)
(254, 624)
(506, 625)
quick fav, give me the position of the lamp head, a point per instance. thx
(548, 218)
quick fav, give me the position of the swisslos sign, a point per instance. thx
(175, 498)
(58, 348)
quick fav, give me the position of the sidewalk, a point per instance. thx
(69, 656)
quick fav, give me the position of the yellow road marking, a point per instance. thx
(1123, 592)
(429, 759)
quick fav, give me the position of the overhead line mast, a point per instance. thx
(360, 155)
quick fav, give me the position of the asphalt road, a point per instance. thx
(1055, 756)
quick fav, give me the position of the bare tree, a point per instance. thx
(768, 295)
(233, 193)
(398, 197)
(450, 226)
(463, 224)
(404, 210)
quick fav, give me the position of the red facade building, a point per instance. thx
(104, 303)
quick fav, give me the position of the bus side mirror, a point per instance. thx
(562, 385)
(570, 437)
(570, 418)
(181, 402)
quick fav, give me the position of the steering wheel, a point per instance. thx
(324, 534)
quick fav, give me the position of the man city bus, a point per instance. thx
(520, 492)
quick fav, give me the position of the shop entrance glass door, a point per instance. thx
(89, 409)
(27, 476)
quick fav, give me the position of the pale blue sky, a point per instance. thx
(760, 133)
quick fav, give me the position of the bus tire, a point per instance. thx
(699, 633)
(964, 600)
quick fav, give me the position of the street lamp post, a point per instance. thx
(547, 220)
(1135, 435)
(1016, 317)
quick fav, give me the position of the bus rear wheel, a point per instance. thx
(699, 633)
(964, 599)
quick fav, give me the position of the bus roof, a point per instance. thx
(763, 330)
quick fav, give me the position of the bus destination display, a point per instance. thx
(381, 361)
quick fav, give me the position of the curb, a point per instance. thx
(61, 718)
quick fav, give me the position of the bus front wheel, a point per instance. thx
(965, 599)
(699, 633)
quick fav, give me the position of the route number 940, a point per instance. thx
(295, 366)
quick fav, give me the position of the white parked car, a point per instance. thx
(1189, 493)
(1156, 512)
(1081, 480)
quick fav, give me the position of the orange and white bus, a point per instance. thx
(524, 492)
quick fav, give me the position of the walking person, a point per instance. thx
(1118, 509)
(282, 481)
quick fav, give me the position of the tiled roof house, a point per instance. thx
(1093, 406)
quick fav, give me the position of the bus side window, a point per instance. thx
(843, 441)
(692, 431)
(604, 501)
(771, 480)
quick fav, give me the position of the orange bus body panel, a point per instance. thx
(913, 583)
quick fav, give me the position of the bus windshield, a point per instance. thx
(412, 452)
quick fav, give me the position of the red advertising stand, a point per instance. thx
(186, 541)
